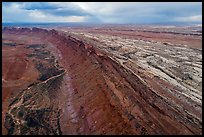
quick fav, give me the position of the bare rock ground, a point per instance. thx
(111, 84)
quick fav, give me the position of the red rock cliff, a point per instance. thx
(104, 96)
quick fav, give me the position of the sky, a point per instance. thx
(102, 12)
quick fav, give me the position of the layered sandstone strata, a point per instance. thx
(103, 89)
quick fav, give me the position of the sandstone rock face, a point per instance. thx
(87, 87)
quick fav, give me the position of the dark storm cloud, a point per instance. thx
(58, 10)
(39, 6)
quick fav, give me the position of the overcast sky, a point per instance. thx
(102, 12)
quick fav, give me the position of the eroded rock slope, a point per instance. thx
(102, 92)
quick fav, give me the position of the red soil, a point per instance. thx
(98, 96)
(17, 73)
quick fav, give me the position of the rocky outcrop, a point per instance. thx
(101, 96)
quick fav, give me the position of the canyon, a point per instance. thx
(108, 80)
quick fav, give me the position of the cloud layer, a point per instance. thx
(102, 12)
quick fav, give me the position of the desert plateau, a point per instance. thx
(102, 80)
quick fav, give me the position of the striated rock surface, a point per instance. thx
(105, 85)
